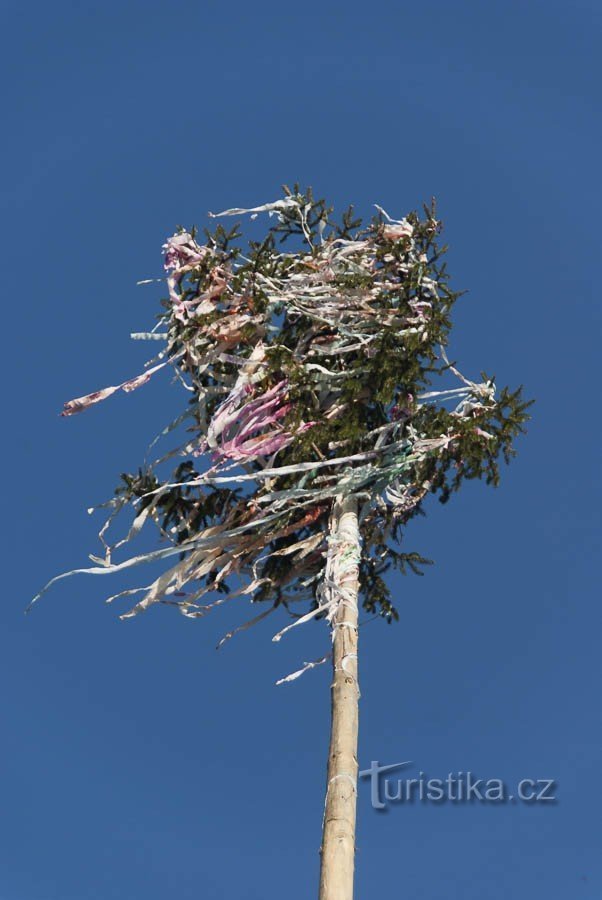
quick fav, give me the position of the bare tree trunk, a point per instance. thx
(338, 830)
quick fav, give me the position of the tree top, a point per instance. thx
(315, 364)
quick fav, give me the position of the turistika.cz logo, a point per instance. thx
(458, 787)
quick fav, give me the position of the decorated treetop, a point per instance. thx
(315, 365)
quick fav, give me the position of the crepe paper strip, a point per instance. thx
(149, 336)
(245, 626)
(306, 667)
(319, 610)
(277, 207)
(81, 403)
(129, 592)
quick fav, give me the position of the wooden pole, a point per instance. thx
(338, 831)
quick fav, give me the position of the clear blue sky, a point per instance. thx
(137, 761)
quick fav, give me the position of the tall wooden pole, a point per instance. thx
(338, 832)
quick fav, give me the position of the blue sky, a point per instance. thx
(137, 761)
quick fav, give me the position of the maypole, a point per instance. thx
(311, 420)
